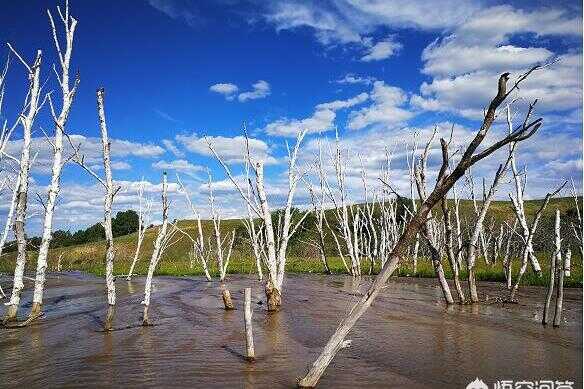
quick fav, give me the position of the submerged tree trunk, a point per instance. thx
(444, 183)
(60, 121)
(156, 253)
(107, 219)
(27, 121)
(554, 260)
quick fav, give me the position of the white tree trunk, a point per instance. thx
(157, 252)
(68, 95)
(249, 348)
(22, 191)
(107, 219)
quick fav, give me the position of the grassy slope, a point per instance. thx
(176, 260)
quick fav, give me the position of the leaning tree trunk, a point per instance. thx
(156, 253)
(444, 183)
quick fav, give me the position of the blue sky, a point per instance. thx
(377, 71)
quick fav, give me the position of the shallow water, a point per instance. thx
(408, 338)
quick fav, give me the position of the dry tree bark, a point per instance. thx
(222, 259)
(482, 213)
(247, 313)
(199, 251)
(450, 252)
(444, 183)
(258, 202)
(528, 242)
(227, 302)
(347, 215)
(60, 120)
(561, 268)
(507, 260)
(162, 242)
(429, 227)
(31, 110)
(520, 208)
(577, 227)
(144, 210)
(110, 193)
(555, 260)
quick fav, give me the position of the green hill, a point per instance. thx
(303, 257)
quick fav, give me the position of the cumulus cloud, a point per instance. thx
(322, 119)
(231, 149)
(388, 108)
(179, 165)
(227, 89)
(350, 78)
(348, 21)
(465, 65)
(382, 50)
(260, 90)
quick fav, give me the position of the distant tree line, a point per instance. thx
(124, 223)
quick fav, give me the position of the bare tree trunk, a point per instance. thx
(227, 299)
(60, 121)
(528, 246)
(450, 252)
(27, 122)
(159, 245)
(249, 348)
(555, 258)
(561, 274)
(143, 222)
(443, 184)
(107, 219)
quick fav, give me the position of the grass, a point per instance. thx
(175, 261)
(86, 258)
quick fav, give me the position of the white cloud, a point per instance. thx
(179, 165)
(382, 50)
(228, 90)
(121, 165)
(231, 149)
(322, 119)
(260, 90)
(348, 21)
(170, 146)
(350, 78)
(387, 108)
(90, 148)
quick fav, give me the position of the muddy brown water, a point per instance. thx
(407, 339)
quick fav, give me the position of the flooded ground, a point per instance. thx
(407, 339)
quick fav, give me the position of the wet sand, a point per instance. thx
(407, 339)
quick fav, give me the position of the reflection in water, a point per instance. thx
(407, 339)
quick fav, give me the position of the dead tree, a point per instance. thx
(144, 210)
(222, 258)
(411, 160)
(528, 241)
(107, 183)
(199, 250)
(429, 228)
(32, 107)
(68, 94)
(577, 226)
(507, 260)
(258, 202)
(445, 181)
(520, 180)
(478, 228)
(162, 242)
(346, 215)
(555, 260)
